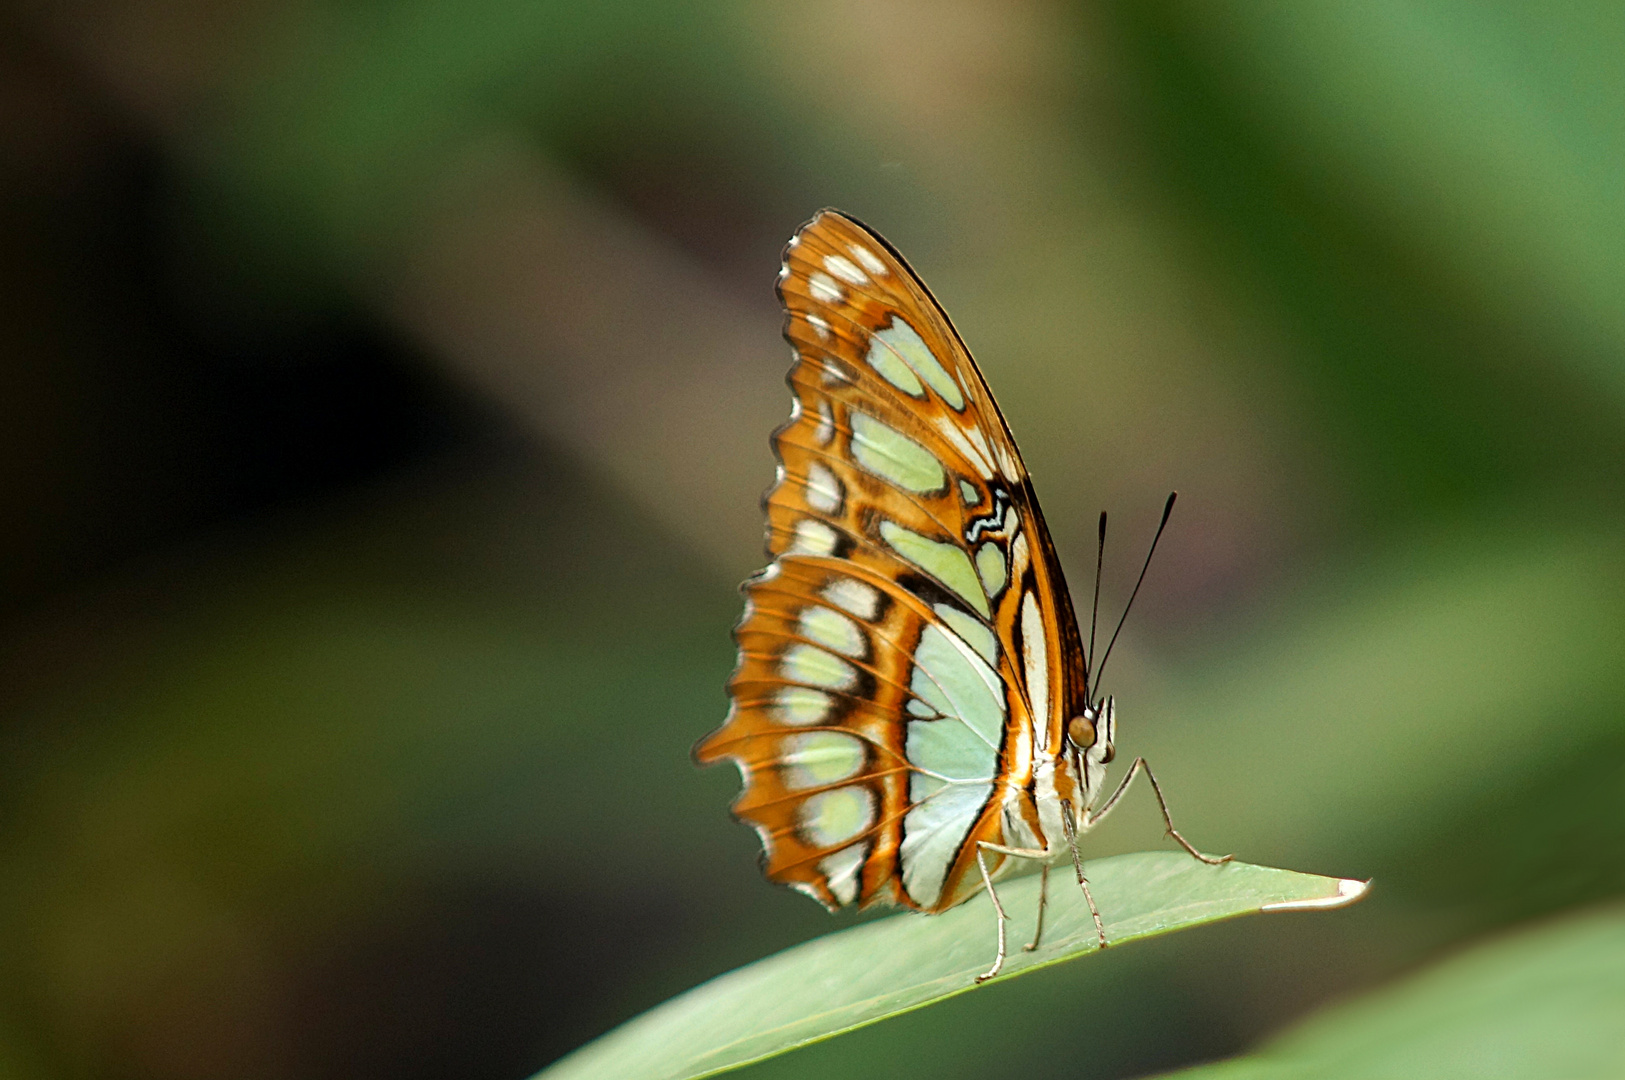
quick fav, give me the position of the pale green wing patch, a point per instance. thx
(900, 344)
(816, 758)
(894, 457)
(973, 630)
(884, 358)
(957, 683)
(935, 829)
(806, 664)
(946, 562)
(991, 567)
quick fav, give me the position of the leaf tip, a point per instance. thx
(1348, 891)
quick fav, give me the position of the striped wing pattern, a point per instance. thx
(909, 651)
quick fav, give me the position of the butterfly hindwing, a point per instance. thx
(827, 660)
(903, 657)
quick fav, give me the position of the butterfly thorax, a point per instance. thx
(1067, 783)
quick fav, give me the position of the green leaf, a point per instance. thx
(1545, 1003)
(855, 977)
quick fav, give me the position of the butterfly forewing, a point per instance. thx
(911, 647)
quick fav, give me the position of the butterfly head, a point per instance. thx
(1091, 732)
(1088, 751)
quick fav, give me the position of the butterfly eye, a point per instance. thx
(1081, 731)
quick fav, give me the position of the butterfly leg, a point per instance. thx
(998, 959)
(1167, 819)
(982, 848)
(1071, 831)
(1043, 899)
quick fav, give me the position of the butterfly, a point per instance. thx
(911, 713)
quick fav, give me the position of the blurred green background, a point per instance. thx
(383, 411)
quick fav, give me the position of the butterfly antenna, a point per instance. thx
(1167, 509)
(1094, 613)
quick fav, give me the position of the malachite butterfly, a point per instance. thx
(912, 712)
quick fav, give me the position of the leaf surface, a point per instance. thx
(855, 977)
(1545, 1003)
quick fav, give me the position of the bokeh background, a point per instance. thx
(384, 392)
